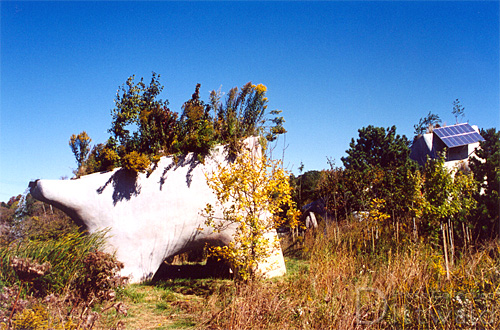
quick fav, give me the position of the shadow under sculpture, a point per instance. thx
(150, 217)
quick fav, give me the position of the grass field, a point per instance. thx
(178, 303)
(334, 280)
(334, 286)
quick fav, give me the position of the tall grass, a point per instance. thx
(346, 287)
(60, 283)
(64, 254)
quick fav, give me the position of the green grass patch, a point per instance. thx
(296, 265)
(133, 293)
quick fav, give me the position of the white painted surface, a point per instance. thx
(150, 217)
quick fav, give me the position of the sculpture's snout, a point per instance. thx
(32, 184)
(34, 190)
(64, 195)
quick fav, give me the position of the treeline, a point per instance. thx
(400, 201)
(144, 128)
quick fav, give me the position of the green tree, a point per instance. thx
(305, 187)
(80, 146)
(447, 195)
(143, 124)
(486, 169)
(196, 127)
(378, 166)
(252, 191)
(138, 108)
(431, 120)
(377, 147)
(332, 188)
(458, 110)
(133, 102)
(155, 128)
(159, 131)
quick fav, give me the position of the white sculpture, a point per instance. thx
(150, 216)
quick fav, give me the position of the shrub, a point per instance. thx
(49, 284)
(251, 191)
(136, 162)
(98, 279)
(103, 157)
(160, 131)
(347, 289)
(64, 254)
(39, 317)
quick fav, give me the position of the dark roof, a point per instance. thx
(458, 135)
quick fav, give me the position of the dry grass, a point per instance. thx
(338, 283)
(344, 288)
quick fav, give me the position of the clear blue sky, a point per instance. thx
(332, 67)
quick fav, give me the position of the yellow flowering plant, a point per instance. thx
(255, 194)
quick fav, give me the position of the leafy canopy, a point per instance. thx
(378, 166)
(444, 195)
(424, 124)
(377, 147)
(143, 126)
(486, 170)
(80, 146)
(252, 191)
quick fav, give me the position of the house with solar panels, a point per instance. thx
(459, 143)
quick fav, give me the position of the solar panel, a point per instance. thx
(458, 135)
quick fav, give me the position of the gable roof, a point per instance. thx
(458, 135)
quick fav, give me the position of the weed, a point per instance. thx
(346, 288)
(185, 323)
(133, 293)
(163, 306)
(65, 256)
(61, 283)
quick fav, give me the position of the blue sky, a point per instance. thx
(332, 67)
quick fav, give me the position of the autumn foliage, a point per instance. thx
(252, 191)
(143, 126)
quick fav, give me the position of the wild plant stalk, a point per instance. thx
(346, 288)
(59, 281)
(65, 255)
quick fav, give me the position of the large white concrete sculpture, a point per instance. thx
(150, 216)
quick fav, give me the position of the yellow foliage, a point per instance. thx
(110, 158)
(136, 162)
(81, 138)
(80, 146)
(252, 191)
(376, 215)
(260, 88)
(33, 319)
(39, 318)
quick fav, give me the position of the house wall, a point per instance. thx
(457, 153)
(461, 157)
(421, 148)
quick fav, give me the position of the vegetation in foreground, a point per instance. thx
(343, 284)
(422, 252)
(334, 281)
